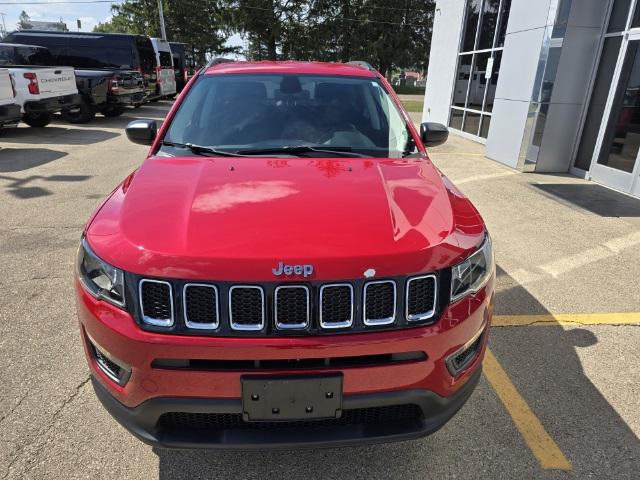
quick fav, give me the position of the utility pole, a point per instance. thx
(4, 25)
(163, 31)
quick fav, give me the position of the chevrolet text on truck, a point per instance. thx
(286, 268)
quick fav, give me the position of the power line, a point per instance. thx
(17, 4)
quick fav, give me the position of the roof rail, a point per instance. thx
(215, 61)
(360, 63)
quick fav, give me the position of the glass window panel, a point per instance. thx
(471, 25)
(486, 123)
(504, 18)
(562, 18)
(462, 80)
(488, 27)
(619, 14)
(493, 81)
(471, 123)
(597, 103)
(478, 80)
(622, 140)
(456, 119)
(636, 17)
(541, 121)
(550, 72)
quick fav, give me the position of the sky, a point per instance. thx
(89, 14)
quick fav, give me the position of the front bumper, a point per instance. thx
(53, 104)
(153, 390)
(143, 421)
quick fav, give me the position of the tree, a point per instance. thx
(24, 22)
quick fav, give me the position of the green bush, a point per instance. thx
(406, 90)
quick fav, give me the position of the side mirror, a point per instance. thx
(142, 131)
(433, 134)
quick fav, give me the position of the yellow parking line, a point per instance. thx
(541, 444)
(567, 319)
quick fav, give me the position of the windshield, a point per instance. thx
(252, 112)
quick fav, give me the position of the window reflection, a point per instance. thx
(489, 20)
(504, 17)
(493, 81)
(456, 119)
(598, 101)
(478, 66)
(471, 25)
(622, 140)
(471, 123)
(619, 14)
(478, 81)
(462, 80)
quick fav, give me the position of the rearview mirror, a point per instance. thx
(142, 131)
(433, 134)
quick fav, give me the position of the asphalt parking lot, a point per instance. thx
(561, 391)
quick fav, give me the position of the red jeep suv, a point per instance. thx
(286, 268)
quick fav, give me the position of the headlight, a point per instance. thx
(99, 278)
(471, 275)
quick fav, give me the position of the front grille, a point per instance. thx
(336, 306)
(292, 310)
(309, 308)
(211, 422)
(421, 298)
(201, 309)
(246, 304)
(379, 303)
(156, 302)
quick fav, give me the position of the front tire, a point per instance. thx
(37, 120)
(84, 114)
(112, 112)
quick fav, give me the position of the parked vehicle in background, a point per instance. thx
(9, 110)
(165, 76)
(183, 63)
(114, 70)
(40, 90)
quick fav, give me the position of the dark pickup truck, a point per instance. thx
(107, 91)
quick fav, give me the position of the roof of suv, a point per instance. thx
(304, 68)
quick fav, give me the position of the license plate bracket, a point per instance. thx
(286, 398)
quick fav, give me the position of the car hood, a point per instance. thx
(236, 218)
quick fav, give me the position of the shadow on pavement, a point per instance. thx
(22, 188)
(593, 197)
(544, 366)
(20, 159)
(57, 134)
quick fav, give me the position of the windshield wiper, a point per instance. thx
(301, 149)
(201, 150)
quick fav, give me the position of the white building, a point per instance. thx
(547, 85)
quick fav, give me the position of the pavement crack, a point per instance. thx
(43, 433)
(14, 408)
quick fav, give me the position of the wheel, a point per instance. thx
(112, 112)
(37, 120)
(83, 114)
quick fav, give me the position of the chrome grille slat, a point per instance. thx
(206, 306)
(281, 302)
(242, 322)
(376, 308)
(151, 295)
(421, 295)
(344, 320)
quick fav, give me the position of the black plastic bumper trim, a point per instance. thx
(142, 421)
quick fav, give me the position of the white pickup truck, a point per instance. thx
(40, 91)
(9, 110)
